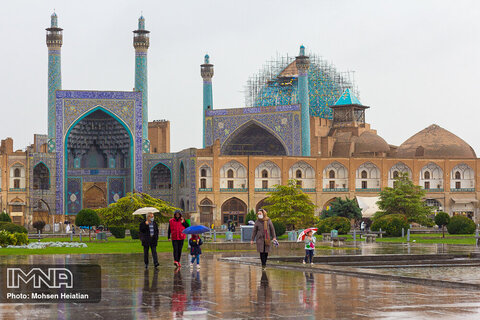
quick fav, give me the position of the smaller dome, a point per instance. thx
(370, 142)
(435, 142)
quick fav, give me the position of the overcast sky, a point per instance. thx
(415, 62)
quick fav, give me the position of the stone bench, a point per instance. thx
(338, 241)
(370, 237)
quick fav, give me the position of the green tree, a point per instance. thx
(251, 215)
(120, 212)
(441, 220)
(87, 218)
(347, 208)
(291, 206)
(5, 217)
(405, 198)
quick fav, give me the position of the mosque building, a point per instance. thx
(303, 121)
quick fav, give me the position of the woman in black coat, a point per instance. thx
(148, 234)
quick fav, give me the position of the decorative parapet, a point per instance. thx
(335, 189)
(234, 190)
(462, 190)
(205, 189)
(368, 190)
(434, 190)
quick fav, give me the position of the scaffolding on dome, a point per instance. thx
(326, 84)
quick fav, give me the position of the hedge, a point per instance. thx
(8, 238)
(341, 224)
(279, 228)
(460, 225)
(392, 224)
(12, 227)
(117, 231)
(134, 232)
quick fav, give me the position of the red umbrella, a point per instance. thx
(301, 236)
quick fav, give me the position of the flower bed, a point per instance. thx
(57, 244)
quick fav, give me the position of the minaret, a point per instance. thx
(207, 74)
(141, 42)
(303, 63)
(54, 44)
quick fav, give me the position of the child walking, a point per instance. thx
(195, 250)
(309, 247)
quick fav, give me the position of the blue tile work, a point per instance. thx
(141, 85)
(36, 195)
(54, 83)
(126, 106)
(74, 195)
(193, 185)
(279, 120)
(116, 189)
(149, 162)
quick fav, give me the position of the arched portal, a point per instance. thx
(99, 158)
(253, 139)
(206, 212)
(160, 177)
(235, 210)
(41, 177)
(261, 204)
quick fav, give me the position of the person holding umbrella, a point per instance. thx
(148, 234)
(263, 234)
(175, 227)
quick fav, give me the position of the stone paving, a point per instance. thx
(223, 290)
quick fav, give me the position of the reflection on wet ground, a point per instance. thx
(236, 291)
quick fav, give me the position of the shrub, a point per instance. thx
(7, 238)
(460, 225)
(134, 232)
(392, 224)
(5, 217)
(87, 218)
(12, 227)
(251, 215)
(341, 224)
(39, 225)
(21, 238)
(280, 228)
(117, 231)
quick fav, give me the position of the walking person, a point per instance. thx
(263, 234)
(148, 234)
(195, 250)
(175, 227)
(309, 247)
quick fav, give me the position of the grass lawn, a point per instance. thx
(434, 238)
(113, 245)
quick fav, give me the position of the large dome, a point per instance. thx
(276, 84)
(370, 142)
(435, 142)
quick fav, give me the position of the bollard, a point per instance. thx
(38, 235)
(403, 233)
(214, 235)
(354, 235)
(71, 237)
(408, 235)
(80, 235)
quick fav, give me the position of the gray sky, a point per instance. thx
(415, 62)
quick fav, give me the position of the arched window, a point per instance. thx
(426, 175)
(298, 174)
(203, 173)
(230, 173)
(331, 174)
(458, 176)
(160, 177)
(16, 173)
(264, 173)
(182, 175)
(364, 174)
(395, 174)
(41, 177)
(203, 183)
(234, 210)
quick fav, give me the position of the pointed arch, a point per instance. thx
(160, 176)
(235, 210)
(304, 174)
(463, 178)
(41, 177)
(395, 171)
(335, 177)
(254, 138)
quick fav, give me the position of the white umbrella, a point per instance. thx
(145, 210)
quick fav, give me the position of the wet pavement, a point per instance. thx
(223, 290)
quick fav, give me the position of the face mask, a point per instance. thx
(151, 219)
(260, 216)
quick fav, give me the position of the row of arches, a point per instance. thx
(233, 175)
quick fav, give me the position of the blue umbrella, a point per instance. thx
(196, 230)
